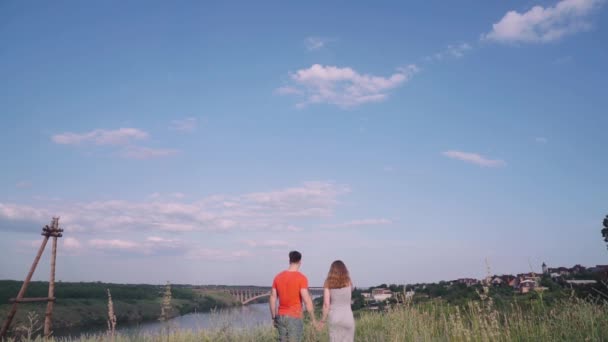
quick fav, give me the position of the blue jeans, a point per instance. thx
(290, 329)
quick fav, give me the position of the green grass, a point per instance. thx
(568, 320)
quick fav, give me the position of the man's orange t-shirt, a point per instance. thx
(288, 285)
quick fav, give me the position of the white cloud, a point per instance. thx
(123, 137)
(156, 243)
(451, 51)
(119, 136)
(184, 125)
(315, 43)
(217, 254)
(152, 245)
(287, 90)
(541, 140)
(292, 228)
(474, 158)
(458, 50)
(540, 24)
(30, 243)
(157, 239)
(24, 212)
(278, 210)
(343, 87)
(113, 244)
(360, 223)
(23, 184)
(71, 243)
(138, 152)
(267, 243)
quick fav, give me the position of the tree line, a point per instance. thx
(91, 290)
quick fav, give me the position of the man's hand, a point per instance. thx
(275, 322)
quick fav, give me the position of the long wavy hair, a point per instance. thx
(338, 276)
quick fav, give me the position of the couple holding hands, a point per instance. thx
(290, 287)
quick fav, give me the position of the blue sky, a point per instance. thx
(200, 142)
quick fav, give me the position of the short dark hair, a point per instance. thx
(294, 257)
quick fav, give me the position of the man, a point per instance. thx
(291, 287)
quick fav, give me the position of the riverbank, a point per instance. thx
(81, 305)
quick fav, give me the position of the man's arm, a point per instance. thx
(308, 303)
(273, 303)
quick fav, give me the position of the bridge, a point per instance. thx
(249, 294)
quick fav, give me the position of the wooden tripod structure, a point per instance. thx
(48, 231)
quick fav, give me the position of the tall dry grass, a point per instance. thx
(27, 330)
(111, 317)
(572, 320)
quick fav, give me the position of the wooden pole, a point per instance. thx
(11, 314)
(48, 323)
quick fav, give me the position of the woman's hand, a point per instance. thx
(319, 325)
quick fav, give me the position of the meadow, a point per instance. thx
(571, 319)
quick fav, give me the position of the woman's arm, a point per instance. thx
(326, 301)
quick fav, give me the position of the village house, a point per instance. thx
(529, 275)
(467, 281)
(381, 294)
(560, 271)
(526, 282)
(578, 269)
(497, 281)
(505, 279)
(367, 296)
(527, 285)
(510, 280)
(514, 282)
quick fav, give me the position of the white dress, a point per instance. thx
(341, 320)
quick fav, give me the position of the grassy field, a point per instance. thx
(569, 320)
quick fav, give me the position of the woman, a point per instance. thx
(336, 304)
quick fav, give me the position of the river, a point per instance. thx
(248, 316)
